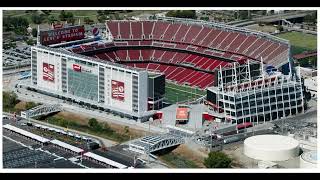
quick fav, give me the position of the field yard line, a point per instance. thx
(183, 91)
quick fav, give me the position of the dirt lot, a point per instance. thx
(21, 105)
(238, 158)
(183, 150)
(84, 120)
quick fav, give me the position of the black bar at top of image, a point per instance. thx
(159, 3)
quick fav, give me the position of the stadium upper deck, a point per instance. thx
(187, 51)
(211, 39)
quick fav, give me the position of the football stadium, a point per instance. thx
(137, 67)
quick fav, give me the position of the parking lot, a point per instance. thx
(21, 153)
(20, 56)
(33, 155)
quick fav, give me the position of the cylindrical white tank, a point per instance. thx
(308, 159)
(271, 147)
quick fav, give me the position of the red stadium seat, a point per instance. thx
(184, 51)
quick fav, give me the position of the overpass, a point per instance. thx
(41, 110)
(279, 17)
(270, 18)
(153, 143)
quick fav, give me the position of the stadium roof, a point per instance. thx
(105, 160)
(224, 26)
(216, 25)
(26, 133)
(67, 146)
(71, 54)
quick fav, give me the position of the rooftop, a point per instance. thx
(74, 55)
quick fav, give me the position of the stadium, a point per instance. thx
(125, 71)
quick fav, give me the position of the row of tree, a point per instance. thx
(217, 160)
(182, 14)
(103, 127)
(18, 25)
(9, 100)
(311, 18)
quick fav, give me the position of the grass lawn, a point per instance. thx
(300, 41)
(176, 93)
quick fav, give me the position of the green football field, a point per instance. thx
(300, 41)
(177, 93)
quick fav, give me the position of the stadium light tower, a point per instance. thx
(38, 35)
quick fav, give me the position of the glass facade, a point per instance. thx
(83, 84)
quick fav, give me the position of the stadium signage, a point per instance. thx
(57, 26)
(76, 67)
(48, 72)
(79, 68)
(182, 114)
(117, 90)
(62, 35)
(95, 31)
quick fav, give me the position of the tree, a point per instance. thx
(98, 127)
(126, 129)
(18, 25)
(205, 18)
(62, 16)
(87, 20)
(34, 32)
(235, 14)
(93, 122)
(67, 16)
(36, 18)
(62, 122)
(117, 16)
(46, 12)
(101, 12)
(31, 42)
(30, 11)
(52, 19)
(311, 18)
(182, 14)
(243, 14)
(217, 160)
(30, 105)
(280, 28)
(9, 100)
(9, 45)
(70, 18)
(101, 18)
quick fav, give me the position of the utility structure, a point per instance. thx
(253, 92)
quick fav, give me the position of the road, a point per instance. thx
(16, 70)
